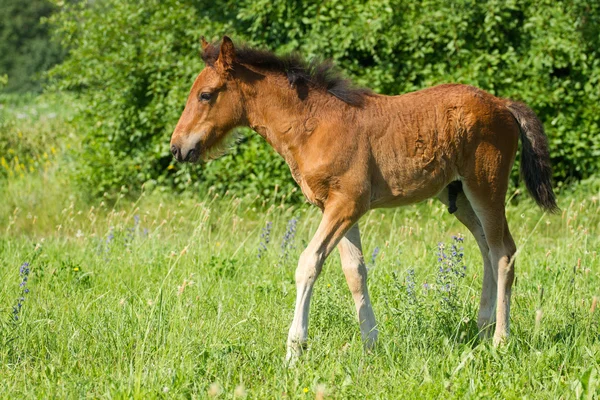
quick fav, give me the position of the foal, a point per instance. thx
(351, 150)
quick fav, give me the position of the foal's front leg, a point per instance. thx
(335, 223)
(353, 265)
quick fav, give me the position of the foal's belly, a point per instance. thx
(408, 182)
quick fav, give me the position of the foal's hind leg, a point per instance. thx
(491, 213)
(353, 265)
(487, 304)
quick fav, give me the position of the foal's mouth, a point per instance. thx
(192, 155)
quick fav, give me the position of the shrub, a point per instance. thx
(33, 133)
(26, 50)
(133, 64)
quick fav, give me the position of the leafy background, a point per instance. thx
(130, 65)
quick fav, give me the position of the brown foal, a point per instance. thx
(351, 150)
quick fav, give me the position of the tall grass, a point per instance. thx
(166, 296)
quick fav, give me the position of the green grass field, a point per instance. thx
(166, 297)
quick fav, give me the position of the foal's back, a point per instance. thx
(422, 141)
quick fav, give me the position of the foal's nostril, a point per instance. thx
(176, 151)
(190, 155)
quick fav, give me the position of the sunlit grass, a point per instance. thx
(166, 296)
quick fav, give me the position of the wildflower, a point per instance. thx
(374, 255)
(24, 269)
(265, 238)
(111, 235)
(76, 269)
(131, 231)
(451, 267)
(410, 286)
(305, 390)
(288, 237)
(24, 274)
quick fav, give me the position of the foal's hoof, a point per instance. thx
(370, 341)
(486, 328)
(500, 340)
(294, 351)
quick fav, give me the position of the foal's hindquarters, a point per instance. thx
(464, 134)
(480, 207)
(484, 170)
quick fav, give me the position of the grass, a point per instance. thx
(167, 297)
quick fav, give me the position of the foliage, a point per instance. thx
(26, 50)
(34, 133)
(134, 62)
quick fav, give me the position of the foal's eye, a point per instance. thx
(205, 96)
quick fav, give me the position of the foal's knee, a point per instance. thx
(507, 264)
(309, 267)
(356, 275)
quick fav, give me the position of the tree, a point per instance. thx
(26, 49)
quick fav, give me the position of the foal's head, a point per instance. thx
(214, 106)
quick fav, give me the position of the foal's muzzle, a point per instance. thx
(190, 156)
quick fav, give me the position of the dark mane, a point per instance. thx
(317, 74)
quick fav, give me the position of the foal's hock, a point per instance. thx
(351, 150)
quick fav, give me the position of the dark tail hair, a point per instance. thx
(535, 157)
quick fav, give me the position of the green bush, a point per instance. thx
(34, 132)
(133, 64)
(26, 50)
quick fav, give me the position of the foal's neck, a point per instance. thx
(275, 110)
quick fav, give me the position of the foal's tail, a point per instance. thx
(535, 157)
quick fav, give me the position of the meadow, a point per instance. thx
(190, 296)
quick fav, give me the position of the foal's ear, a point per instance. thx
(204, 43)
(226, 54)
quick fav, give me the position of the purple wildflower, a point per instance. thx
(24, 274)
(451, 267)
(288, 238)
(265, 238)
(111, 235)
(410, 282)
(374, 255)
